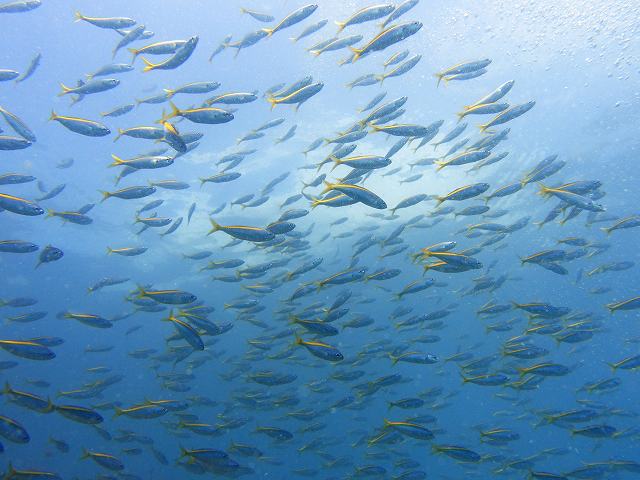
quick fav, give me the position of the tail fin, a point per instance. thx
(53, 115)
(105, 195)
(170, 93)
(175, 111)
(109, 250)
(268, 31)
(439, 76)
(607, 230)
(356, 53)
(214, 226)
(116, 161)
(120, 132)
(341, 26)
(65, 89)
(148, 65)
(273, 101)
(78, 16)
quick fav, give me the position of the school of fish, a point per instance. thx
(345, 311)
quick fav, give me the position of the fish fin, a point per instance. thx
(175, 111)
(268, 31)
(148, 65)
(356, 53)
(120, 132)
(607, 230)
(381, 78)
(116, 161)
(170, 93)
(53, 115)
(105, 195)
(78, 16)
(439, 76)
(214, 226)
(544, 190)
(109, 250)
(65, 89)
(341, 26)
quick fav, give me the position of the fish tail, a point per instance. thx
(611, 307)
(460, 116)
(148, 65)
(65, 89)
(483, 127)
(7, 388)
(607, 230)
(441, 164)
(116, 161)
(78, 16)
(50, 213)
(357, 52)
(315, 53)
(85, 454)
(139, 293)
(613, 366)
(170, 93)
(268, 31)
(133, 52)
(439, 76)
(175, 111)
(53, 115)
(214, 226)
(394, 360)
(341, 26)
(544, 191)
(105, 195)
(381, 78)
(273, 101)
(119, 411)
(120, 132)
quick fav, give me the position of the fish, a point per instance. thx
(294, 17)
(386, 38)
(82, 126)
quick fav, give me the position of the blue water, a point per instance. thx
(579, 63)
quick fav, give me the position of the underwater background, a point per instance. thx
(329, 340)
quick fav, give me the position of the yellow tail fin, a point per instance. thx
(148, 65)
(214, 226)
(65, 89)
(116, 161)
